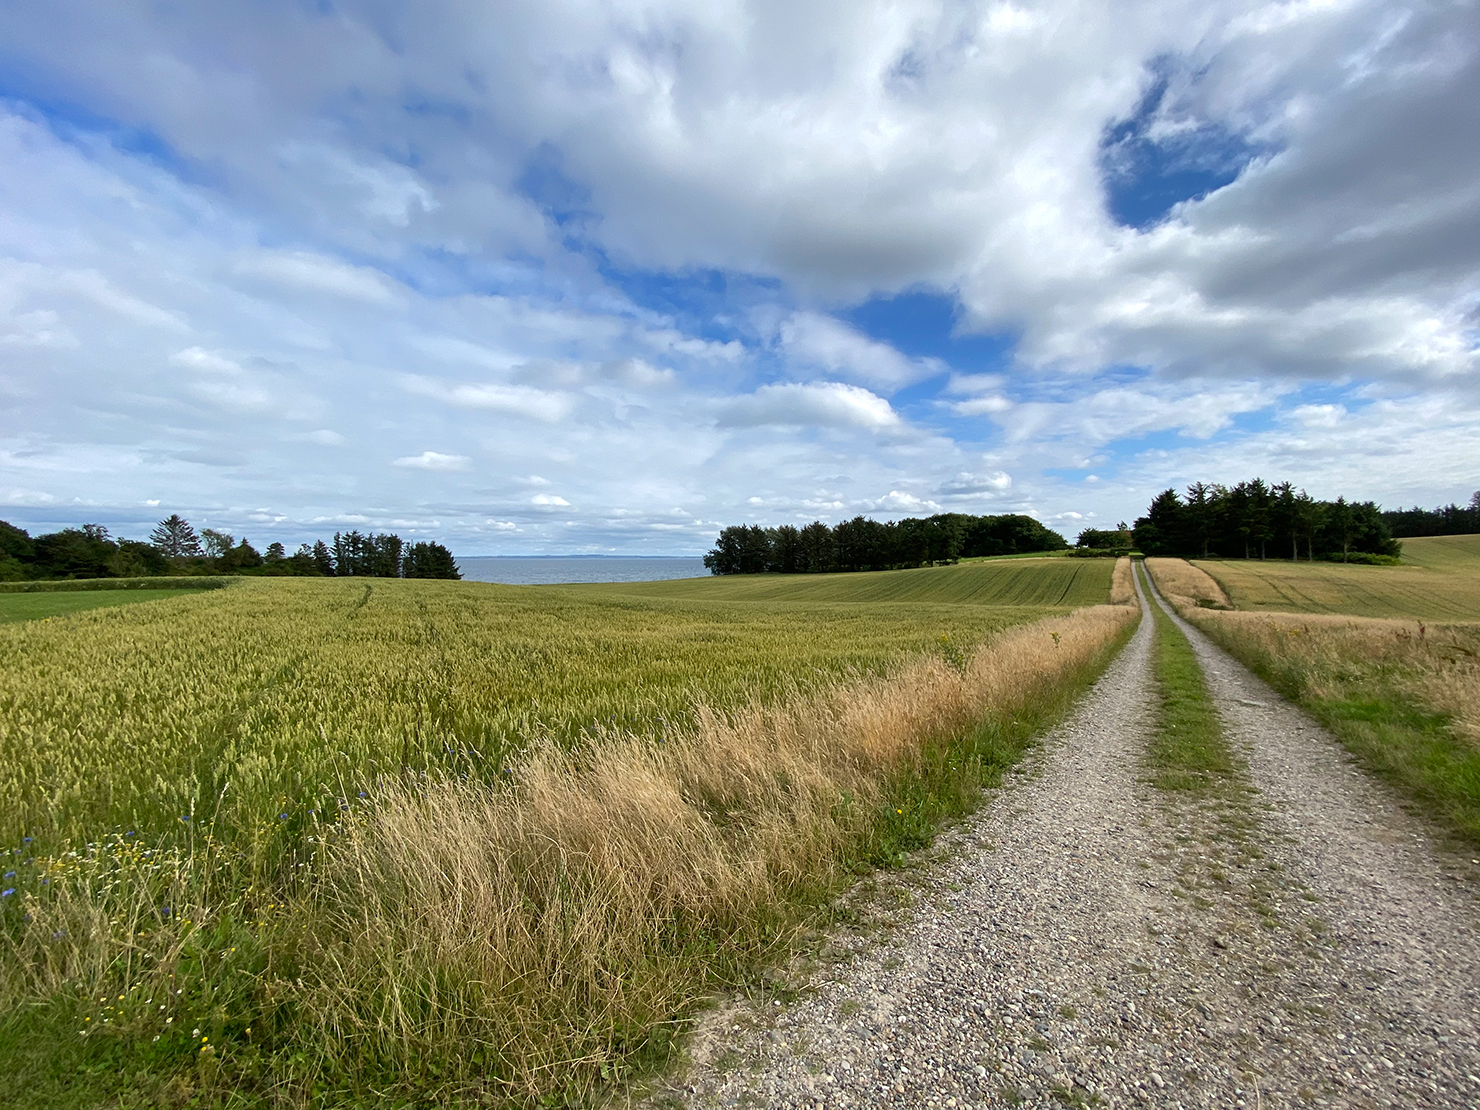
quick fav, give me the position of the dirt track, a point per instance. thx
(1089, 940)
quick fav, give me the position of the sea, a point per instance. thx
(549, 570)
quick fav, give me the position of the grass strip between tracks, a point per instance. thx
(1187, 749)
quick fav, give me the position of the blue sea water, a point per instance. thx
(534, 570)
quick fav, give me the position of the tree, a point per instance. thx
(323, 560)
(217, 545)
(724, 556)
(17, 552)
(174, 538)
(1163, 530)
(242, 557)
(429, 560)
(85, 552)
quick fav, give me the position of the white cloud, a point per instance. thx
(818, 404)
(314, 273)
(549, 500)
(515, 400)
(198, 358)
(433, 460)
(305, 248)
(813, 341)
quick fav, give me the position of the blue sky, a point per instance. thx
(565, 277)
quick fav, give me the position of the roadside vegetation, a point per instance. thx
(1401, 692)
(327, 842)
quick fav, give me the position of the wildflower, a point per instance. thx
(10, 874)
(7, 892)
(282, 816)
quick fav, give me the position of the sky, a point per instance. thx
(567, 277)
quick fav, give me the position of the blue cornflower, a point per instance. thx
(9, 875)
(282, 816)
(25, 840)
(7, 892)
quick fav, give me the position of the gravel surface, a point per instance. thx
(1086, 939)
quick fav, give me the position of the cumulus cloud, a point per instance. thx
(584, 233)
(814, 404)
(433, 460)
(816, 341)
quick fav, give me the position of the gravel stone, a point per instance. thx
(1088, 940)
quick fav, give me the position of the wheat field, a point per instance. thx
(1439, 581)
(470, 842)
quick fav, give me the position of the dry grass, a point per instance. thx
(1122, 583)
(532, 939)
(1185, 586)
(1437, 666)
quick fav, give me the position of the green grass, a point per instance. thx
(1187, 749)
(1027, 581)
(1442, 583)
(43, 606)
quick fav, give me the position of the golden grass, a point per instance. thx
(1185, 586)
(1122, 583)
(528, 939)
(1437, 666)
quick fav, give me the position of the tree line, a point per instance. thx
(1257, 520)
(174, 547)
(1446, 520)
(864, 544)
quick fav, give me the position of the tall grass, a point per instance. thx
(535, 938)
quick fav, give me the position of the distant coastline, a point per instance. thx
(553, 570)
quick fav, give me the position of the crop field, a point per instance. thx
(281, 695)
(297, 835)
(1048, 581)
(39, 606)
(1442, 584)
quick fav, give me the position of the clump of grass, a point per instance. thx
(1187, 749)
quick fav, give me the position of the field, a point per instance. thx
(283, 695)
(1013, 580)
(1441, 584)
(39, 606)
(345, 829)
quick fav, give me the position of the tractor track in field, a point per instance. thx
(1088, 940)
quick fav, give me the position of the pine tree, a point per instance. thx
(173, 537)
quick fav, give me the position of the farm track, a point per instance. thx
(1297, 940)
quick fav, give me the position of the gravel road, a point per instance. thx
(1295, 940)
